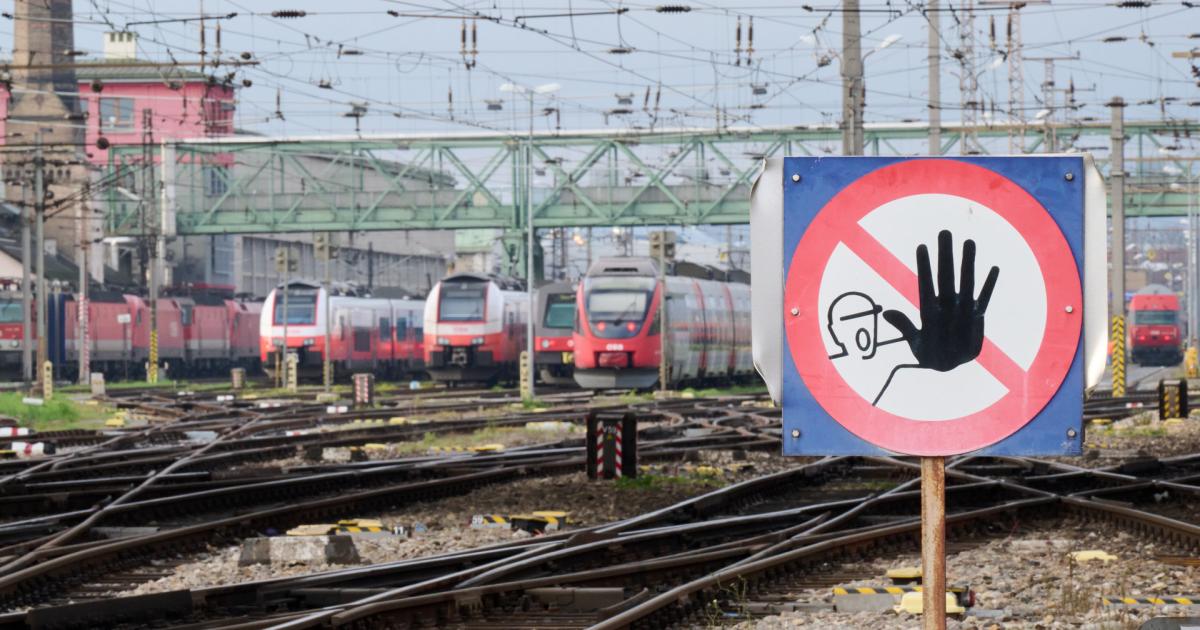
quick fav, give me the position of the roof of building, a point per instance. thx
(126, 70)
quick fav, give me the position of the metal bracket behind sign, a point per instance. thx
(766, 283)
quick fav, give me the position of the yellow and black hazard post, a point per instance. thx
(1191, 362)
(1168, 401)
(152, 368)
(1118, 356)
(47, 380)
(526, 371)
(293, 362)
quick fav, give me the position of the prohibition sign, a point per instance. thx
(1026, 351)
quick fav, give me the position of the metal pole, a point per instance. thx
(287, 265)
(528, 179)
(662, 314)
(1117, 303)
(327, 368)
(84, 341)
(43, 283)
(852, 80)
(26, 295)
(933, 543)
(935, 78)
(148, 195)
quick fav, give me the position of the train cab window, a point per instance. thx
(462, 302)
(616, 306)
(1155, 318)
(301, 307)
(560, 311)
(185, 314)
(385, 328)
(10, 312)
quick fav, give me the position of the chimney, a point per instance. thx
(120, 45)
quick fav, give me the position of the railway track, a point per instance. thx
(733, 553)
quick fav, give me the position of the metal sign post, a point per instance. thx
(933, 542)
(930, 307)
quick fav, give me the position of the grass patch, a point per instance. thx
(58, 413)
(508, 436)
(653, 482)
(736, 390)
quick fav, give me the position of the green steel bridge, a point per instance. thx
(679, 176)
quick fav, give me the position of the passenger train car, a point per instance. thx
(475, 328)
(554, 347)
(379, 335)
(202, 330)
(618, 325)
(1155, 328)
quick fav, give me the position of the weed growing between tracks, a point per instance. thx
(655, 482)
(59, 413)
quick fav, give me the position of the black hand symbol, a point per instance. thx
(951, 323)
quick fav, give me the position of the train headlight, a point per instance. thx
(477, 341)
(545, 343)
(570, 343)
(310, 341)
(14, 343)
(443, 341)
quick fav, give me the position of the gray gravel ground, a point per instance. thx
(1032, 580)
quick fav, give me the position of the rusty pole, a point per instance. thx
(933, 543)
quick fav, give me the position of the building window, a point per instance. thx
(215, 182)
(116, 114)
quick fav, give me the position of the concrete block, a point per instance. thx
(877, 602)
(306, 550)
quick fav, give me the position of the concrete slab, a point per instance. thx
(306, 550)
(877, 602)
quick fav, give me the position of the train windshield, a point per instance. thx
(301, 308)
(10, 312)
(617, 306)
(560, 311)
(462, 302)
(1155, 318)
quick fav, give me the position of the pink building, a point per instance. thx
(115, 96)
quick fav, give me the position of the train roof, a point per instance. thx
(504, 282)
(645, 266)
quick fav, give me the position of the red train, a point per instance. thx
(554, 347)
(1155, 331)
(379, 335)
(202, 330)
(475, 328)
(618, 326)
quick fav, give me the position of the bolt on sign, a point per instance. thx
(930, 306)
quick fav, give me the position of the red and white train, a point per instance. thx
(379, 335)
(619, 326)
(475, 328)
(201, 330)
(554, 347)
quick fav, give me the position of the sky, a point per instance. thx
(618, 64)
(405, 66)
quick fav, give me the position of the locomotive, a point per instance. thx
(1155, 332)
(554, 347)
(380, 335)
(475, 328)
(619, 324)
(202, 330)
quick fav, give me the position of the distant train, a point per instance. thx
(554, 324)
(475, 328)
(201, 330)
(619, 325)
(368, 334)
(1155, 329)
